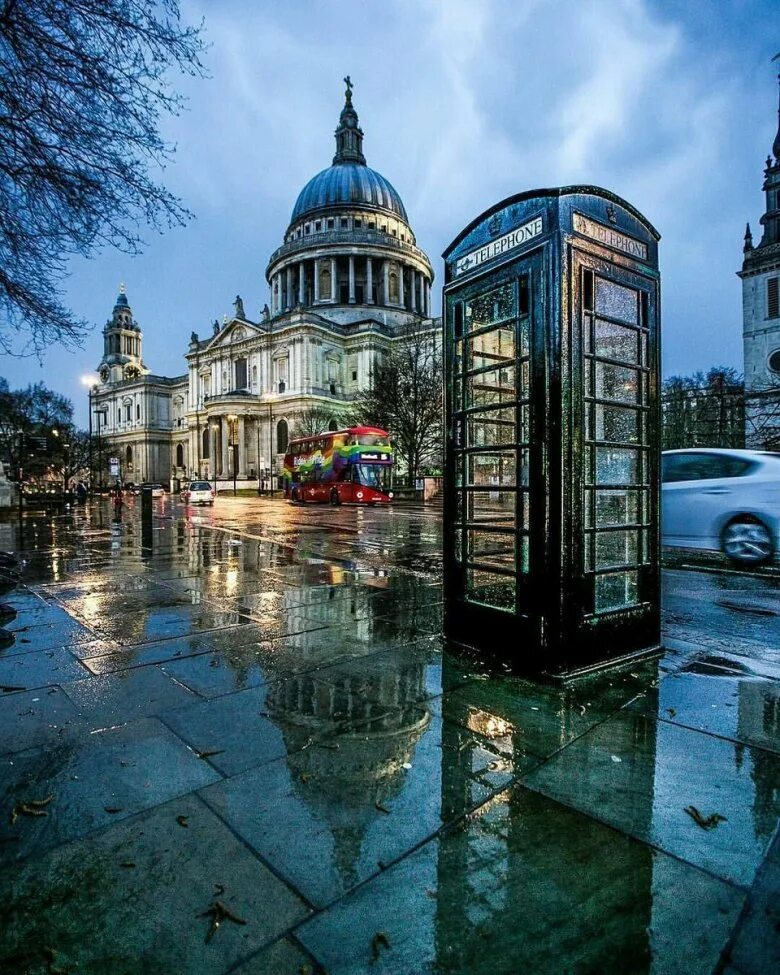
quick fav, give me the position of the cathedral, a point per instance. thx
(347, 282)
(760, 276)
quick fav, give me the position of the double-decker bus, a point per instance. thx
(350, 466)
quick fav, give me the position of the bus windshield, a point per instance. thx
(371, 440)
(373, 476)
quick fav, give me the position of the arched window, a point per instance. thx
(325, 283)
(128, 458)
(393, 281)
(333, 425)
(281, 437)
(205, 446)
(180, 455)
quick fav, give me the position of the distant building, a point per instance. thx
(761, 316)
(345, 282)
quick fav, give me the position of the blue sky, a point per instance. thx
(672, 105)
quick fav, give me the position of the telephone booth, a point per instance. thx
(553, 432)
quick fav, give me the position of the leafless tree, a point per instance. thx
(319, 418)
(405, 398)
(704, 410)
(83, 87)
(35, 423)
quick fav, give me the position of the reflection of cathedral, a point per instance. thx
(346, 281)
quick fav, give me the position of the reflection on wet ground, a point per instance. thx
(252, 719)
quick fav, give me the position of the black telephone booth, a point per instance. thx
(552, 425)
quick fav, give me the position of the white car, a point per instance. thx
(198, 492)
(723, 500)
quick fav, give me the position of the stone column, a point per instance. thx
(301, 283)
(275, 294)
(413, 287)
(289, 302)
(369, 281)
(333, 282)
(401, 301)
(316, 281)
(224, 432)
(241, 447)
(213, 447)
(351, 280)
(385, 282)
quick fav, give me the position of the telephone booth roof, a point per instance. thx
(556, 191)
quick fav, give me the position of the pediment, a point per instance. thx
(236, 330)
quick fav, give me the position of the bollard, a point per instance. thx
(147, 531)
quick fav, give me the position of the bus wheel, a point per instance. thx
(335, 500)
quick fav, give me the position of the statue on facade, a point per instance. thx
(266, 313)
(215, 326)
(238, 304)
(194, 340)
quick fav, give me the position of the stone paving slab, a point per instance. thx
(129, 898)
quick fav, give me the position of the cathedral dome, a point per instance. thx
(348, 183)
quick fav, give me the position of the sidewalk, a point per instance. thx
(246, 751)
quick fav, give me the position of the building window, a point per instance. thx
(774, 361)
(325, 283)
(358, 222)
(138, 411)
(317, 225)
(772, 298)
(281, 437)
(179, 455)
(330, 223)
(354, 375)
(128, 412)
(254, 375)
(205, 444)
(128, 459)
(241, 369)
(344, 223)
(372, 224)
(333, 425)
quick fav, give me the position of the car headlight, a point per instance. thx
(389, 494)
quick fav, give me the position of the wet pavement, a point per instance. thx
(237, 743)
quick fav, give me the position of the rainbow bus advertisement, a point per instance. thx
(352, 466)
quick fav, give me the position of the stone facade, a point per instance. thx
(760, 276)
(342, 286)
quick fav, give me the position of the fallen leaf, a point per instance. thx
(114, 809)
(209, 754)
(379, 941)
(705, 822)
(381, 808)
(219, 913)
(182, 821)
(127, 863)
(671, 712)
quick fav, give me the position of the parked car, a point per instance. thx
(198, 492)
(158, 491)
(722, 500)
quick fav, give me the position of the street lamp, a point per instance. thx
(232, 421)
(89, 382)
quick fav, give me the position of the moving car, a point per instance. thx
(722, 500)
(198, 492)
(158, 491)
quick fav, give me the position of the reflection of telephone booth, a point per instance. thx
(551, 484)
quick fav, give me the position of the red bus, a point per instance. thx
(351, 466)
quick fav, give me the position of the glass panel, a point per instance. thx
(523, 469)
(491, 388)
(616, 465)
(616, 548)
(616, 301)
(497, 507)
(524, 329)
(491, 548)
(587, 338)
(458, 362)
(616, 383)
(617, 507)
(490, 589)
(616, 591)
(495, 306)
(616, 342)
(524, 430)
(616, 424)
(492, 469)
(459, 544)
(493, 348)
(587, 553)
(491, 429)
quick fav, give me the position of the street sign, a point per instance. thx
(113, 466)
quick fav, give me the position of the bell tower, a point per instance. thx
(760, 276)
(122, 340)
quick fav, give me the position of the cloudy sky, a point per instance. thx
(672, 105)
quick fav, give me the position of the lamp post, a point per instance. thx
(89, 382)
(232, 421)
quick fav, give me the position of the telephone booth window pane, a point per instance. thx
(459, 544)
(617, 508)
(492, 387)
(491, 589)
(491, 428)
(616, 548)
(496, 507)
(524, 338)
(491, 548)
(491, 349)
(615, 465)
(616, 301)
(616, 341)
(495, 306)
(617, 590)
(616, 425)
(615, 383)
(498, 469)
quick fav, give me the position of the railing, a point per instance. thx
(373, 237)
